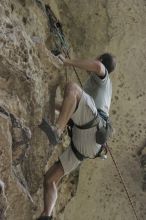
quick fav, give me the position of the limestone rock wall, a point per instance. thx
(30, 79)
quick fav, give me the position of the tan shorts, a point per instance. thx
(85, 111)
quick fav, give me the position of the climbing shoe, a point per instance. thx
(45, 218)
(51, 132)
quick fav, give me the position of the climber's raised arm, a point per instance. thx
(92, 65)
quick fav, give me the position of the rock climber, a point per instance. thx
(81, 106)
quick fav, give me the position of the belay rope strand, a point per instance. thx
(123, 182)
(56, 29)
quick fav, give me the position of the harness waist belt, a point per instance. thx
(81, 157)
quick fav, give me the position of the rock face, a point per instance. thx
(29, 79)
(32, 78)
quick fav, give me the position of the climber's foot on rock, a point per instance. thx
(51, 132)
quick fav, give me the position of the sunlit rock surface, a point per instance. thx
(31, 78)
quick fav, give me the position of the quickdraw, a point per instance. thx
(55, 27)
(61, 43)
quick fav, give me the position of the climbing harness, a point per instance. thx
(102, 152)
(61, 45)
(103, 133)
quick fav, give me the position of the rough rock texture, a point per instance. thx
(30, 79)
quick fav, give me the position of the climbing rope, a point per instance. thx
(67, 54)
(56, 30)
(61, 45)
(123, 182)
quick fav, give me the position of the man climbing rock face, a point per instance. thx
(82, 106)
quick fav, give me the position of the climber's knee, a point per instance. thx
(73, 90)
(54, 174)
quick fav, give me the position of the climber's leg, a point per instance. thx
(51, 179)
(71, 100)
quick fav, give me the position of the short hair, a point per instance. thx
(109, 61)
